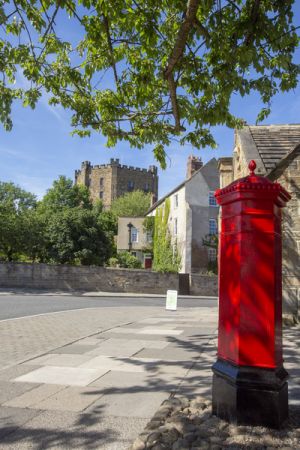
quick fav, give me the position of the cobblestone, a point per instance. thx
(216, 434)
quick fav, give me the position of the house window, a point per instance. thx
(101, 194)
(101, 182)
(130, 185)
(212, 254)
(176, 201)
(149, 236)
(213, 228)
(175, 227)
(134, 234)
(212, 199)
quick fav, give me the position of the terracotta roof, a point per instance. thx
(275, 142)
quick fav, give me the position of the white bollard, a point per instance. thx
(171, 301)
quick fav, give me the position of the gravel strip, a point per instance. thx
(188, 424)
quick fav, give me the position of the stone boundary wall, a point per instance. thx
(93, 278)
(203, 285)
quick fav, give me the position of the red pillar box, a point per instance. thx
(249, 382)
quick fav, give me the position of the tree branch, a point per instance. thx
(111, 50)
(174, 102)
(182, 36)
(177, 52)
(51, 22)
(254, 17)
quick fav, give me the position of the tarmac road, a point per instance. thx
(28, 304)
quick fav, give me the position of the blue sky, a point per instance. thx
(40, 147)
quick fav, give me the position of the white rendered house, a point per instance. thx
(193, 214)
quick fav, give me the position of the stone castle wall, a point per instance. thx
(109, 181)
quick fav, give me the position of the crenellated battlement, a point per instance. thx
(115, 163)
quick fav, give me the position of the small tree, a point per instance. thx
(63, 194)
(125, 260)
(132, 204)
(75, 236)
(16, 206)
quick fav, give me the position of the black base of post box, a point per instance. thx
(250, 395)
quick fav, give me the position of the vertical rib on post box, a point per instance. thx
(249, 382)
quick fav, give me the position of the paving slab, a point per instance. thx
(134, 336)
(69, 399)
(160, 331)
(15, 371)
(123, 330)
(91, 341)
(102, 362)
(12, 418)
(75, 349)
(129, 403)
(58, 430)
(117, 347)
(36, 395)
(116, 380)
(160, 366)
(63, 375)
(64, 360)
(9, 390)
(168, 354)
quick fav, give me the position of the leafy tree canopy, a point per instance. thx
(175, 63)
(63, 194)
(74, 235)
(15, 199)
(132, 204)
(16, 208)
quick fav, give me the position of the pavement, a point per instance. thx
(93, 378)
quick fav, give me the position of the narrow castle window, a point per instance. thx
(101, 194)
(130, 185)
(101, 182)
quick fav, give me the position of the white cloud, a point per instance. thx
(17, 154)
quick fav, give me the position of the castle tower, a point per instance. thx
(109, 181)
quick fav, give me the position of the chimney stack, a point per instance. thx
(194, 163)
